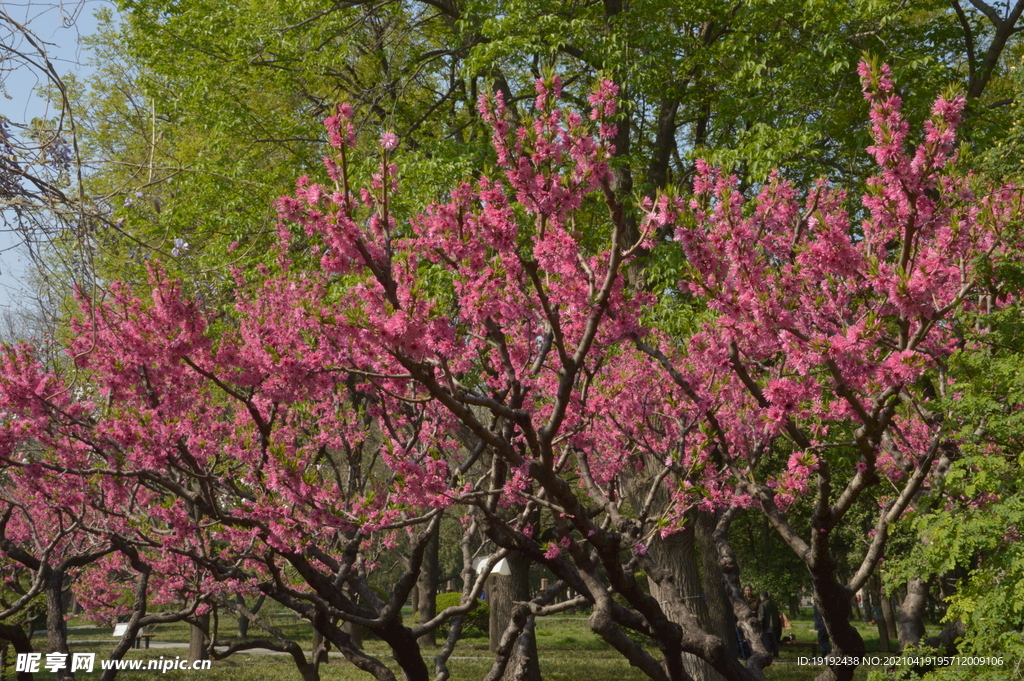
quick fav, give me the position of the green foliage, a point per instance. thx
(477, 622)
(767, 563)
(974, 529)
(210, 110)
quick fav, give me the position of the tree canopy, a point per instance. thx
(563, 284)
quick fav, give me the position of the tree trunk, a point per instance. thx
(730, 570)
(678, 554)
(309, 671)
(721, 621)
(56, 624)
(404, 650)
(524, 665)
(502, 592)
(888, 617)
(874, 590)
(197, 639)
(947, 638)
(833, 602)
(355, 633)
(911, 618)
(427, 588)
(243, 621)
(319, 655)
(21, 644)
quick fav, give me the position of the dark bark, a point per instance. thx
(833, 600)
(947, 638)
(622, 177)
(875, 593)
(197, 638)
(677, 553)
(426, 587)
(889, 618)
(744, 617)
(406, 651)
(1004, 26)
(721, 621)
(243, 620)
(21, 643)
(664, 145)
(56, 624)
(342, 641)
(309, 672)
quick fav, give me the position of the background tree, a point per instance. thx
(750, 85)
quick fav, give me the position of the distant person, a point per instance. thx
(752, 600)
(771, 624)
(819, 625)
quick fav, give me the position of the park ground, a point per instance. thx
(569, 651)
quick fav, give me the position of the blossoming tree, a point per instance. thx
(814, 379)
(487, 359)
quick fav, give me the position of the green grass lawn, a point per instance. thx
(569, 651)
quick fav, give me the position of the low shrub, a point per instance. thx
(477, 620)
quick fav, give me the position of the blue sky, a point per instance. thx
(61, 26)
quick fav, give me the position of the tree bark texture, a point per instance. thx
(502, 592)
(197, 639)
(19, 640)
(56, 624)
(426, 588)
(875, 592)
(911, 618)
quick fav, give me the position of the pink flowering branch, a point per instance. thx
(822, 323)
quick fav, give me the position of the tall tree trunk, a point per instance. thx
(243, 621)
(427, 588)
(502, 592)
(874, 590)
(888, 617)
(355, 633)
(678, 554)
(19, 640)
(911, 619)
(833, 600)
(696, 576)
(56, 624)
(197, 639)
(721, 620)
